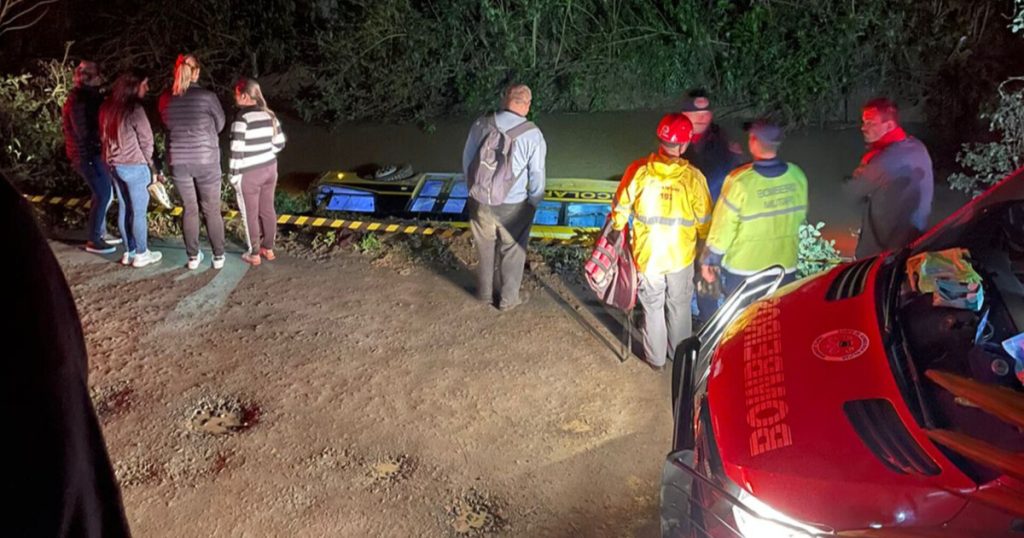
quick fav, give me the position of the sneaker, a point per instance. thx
(146, 258)
(218, 262)
(128, 257)
(268, 254)
(194, 261)
(102, 247)
(111, 240)
(251, 259)
(523, 297)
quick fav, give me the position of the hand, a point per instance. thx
(235, 180)
(614, 236)
(709, 273)
(160, 178)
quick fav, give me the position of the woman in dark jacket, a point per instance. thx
(193, 117)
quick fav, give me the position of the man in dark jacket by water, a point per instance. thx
(80, 123)
(715, 156)
(711, 150)
(894, 182)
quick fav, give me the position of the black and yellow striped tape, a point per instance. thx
(447, 231)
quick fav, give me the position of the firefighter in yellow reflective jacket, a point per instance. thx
(668, 200)
(757, 219)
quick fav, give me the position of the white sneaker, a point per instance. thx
(218, 262)
(112, 240)
(128, 257)
(146, 258)
(194, 261)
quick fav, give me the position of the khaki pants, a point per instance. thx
(665, 300)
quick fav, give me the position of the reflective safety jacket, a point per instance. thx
(670, 205)
(757, 219)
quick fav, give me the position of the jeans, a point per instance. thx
(133, 180)
(97, 175)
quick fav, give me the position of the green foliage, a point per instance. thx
(815, 253)
(401, 60)
(565, 260)
(426, 249)
(369, 244)
(1017, 24)
(287, 203)
(230, 38)
(31, 140)
(987, 163)
(325, 241)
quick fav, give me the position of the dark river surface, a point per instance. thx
(587, 145)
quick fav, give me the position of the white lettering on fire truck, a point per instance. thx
(764, 391)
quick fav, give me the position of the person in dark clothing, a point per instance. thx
(59, 481)
(80, 123)
(894, 183)
(193, 116)
(712, 152)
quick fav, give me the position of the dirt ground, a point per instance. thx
(338, 396)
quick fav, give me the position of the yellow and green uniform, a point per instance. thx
(756, 222)
(670, 204)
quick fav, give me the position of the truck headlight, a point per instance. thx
(763, 526)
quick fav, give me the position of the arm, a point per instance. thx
(865, 181)
(217, 112)
(625, 197)
(144, 134)
(536, 179)
(238, 128)
(279, 139)
(700, 202)
(472, 145)
(725, 226)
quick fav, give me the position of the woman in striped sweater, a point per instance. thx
(256, 138)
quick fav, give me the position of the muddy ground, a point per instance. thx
(363, 394)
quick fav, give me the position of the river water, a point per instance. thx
(590, 145)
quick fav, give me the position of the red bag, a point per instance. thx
(610, 272)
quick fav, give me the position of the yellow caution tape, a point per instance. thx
(446, 231)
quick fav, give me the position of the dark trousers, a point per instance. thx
(256, 203)
(501, 231)
(199, 187)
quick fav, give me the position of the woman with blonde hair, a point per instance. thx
(127, 142)
(193, 117)
(256, 138)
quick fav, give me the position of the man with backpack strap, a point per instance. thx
(668, 200)
(503, 162)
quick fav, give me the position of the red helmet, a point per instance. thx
(675, 129)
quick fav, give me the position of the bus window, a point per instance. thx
(432, 188)
(345, 199)
(587, 215)
(547, 213)
(459, 190)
